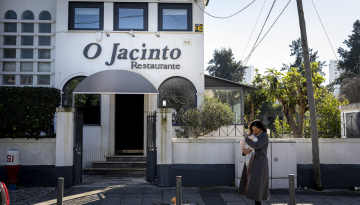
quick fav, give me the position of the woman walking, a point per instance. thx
(254, 183)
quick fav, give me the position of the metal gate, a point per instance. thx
(151, 148)
(78, 145)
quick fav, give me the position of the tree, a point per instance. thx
(329, 122)
(224, 65)
(290, 90)
(208, 117)
(297, 51)
(328, 117)
(349, 89)
(350, 62)
(254, 100)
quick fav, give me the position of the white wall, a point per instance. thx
(33, 152)
(331, 151)
(204, 150)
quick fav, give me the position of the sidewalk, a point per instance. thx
(99, 190)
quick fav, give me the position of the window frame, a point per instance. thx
(73, 5)
(144, 6)
(186, 6)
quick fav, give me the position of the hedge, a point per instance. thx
(26, 111)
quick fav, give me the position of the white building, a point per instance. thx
(334, 73)
(127, 57)
(249, 74)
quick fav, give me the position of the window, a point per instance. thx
(18, 64)
(26, 79)
(43, 67)
(131, 16)
(44, 41)
(9, 66)
(90, 104)
(335, 69)
(26, 53)
(44, 15)
(335, 72)
(86, 16)
(44, 53)
(179, 94)
(26, 67)
(43, 80)
(10, 15)
(9, 53)
(27, 40)
(175, 17)
(10, 27)
(44, 28)
(9, 40)
(27, 15)
(8, 79)
(27, 27)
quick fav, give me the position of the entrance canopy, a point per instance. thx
(115, 82)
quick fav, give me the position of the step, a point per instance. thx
(119, 164)
(126, 172)
(126, 158)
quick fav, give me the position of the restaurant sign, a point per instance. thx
(135, 54)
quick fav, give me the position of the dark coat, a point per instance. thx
(259, 177)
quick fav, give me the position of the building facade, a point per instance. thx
(249, 74)
(117, 61)
(334, 73)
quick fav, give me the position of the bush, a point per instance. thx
(205, 119)
(26, 111)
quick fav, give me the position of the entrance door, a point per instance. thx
(129, 124)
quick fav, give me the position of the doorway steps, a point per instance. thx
(119, 165)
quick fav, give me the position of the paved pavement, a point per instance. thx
(98, 190)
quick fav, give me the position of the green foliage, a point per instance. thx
(204, 119)
(26, 111)
(328, 118)
(296, 50)
(254, 100)
(281, 127)
(81, 100)
(291, 92)
(270, 108)
(350, 59)
(225, 66)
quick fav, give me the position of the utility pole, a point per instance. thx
(311, 99)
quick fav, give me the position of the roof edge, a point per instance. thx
(232, 82)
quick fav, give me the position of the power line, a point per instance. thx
(324, 29)
(252, 50)
(248, 57)
(253, 30)
(225, 16)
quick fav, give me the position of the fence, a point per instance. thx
(329, 126)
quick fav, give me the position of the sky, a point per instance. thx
(337, 16)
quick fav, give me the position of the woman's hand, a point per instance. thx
(247, 151)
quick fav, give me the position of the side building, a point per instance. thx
(249, 74)
(334, 73)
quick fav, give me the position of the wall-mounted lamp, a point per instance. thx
(164, 103)
(131, 33)
(107, 34)
(157, 34)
